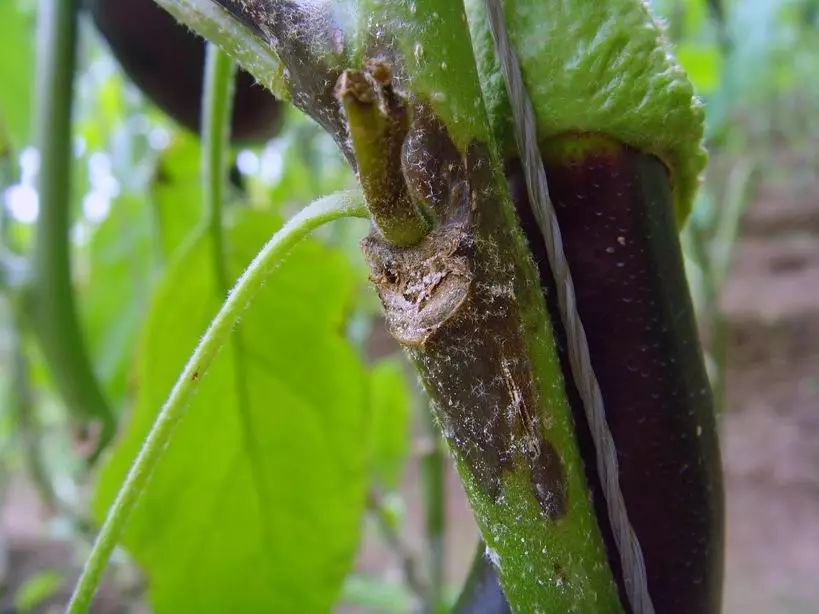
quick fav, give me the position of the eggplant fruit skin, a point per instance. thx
(615, 210)
(166, 62)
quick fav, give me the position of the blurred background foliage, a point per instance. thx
(145, 291)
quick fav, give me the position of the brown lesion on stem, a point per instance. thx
(378, 122)
(451, 301)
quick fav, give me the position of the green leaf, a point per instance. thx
(304, 147)
(703, 63)
(116, 295)
(389, 399)
(38, 588)
(177, 192)
(257, 503)
(16, 70)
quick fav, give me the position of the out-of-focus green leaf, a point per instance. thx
(256, 505)
(703, 62)
(696, 13)
(114, 301)
(309, 160)
(389, 399)
(16, 70)
(101, 107)
(37, 589)
(177, 192)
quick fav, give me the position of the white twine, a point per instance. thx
(525, 128)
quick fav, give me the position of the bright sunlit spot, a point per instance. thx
(159, 137)
(248, 162)
(272, 162)
(95, 206)
(22, 203)
(29, 164)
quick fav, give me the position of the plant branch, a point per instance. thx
(54, 308)
(433, 466)
(213, 22)
(393, 540)
(22, 400)
(321, 211)
(217, 106)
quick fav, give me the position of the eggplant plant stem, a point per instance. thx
(55, 312)
(212, 21)
(20, 392)
(321, 211)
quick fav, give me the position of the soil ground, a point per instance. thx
(770, 430)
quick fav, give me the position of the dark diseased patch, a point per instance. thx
(550, 481)
(560, 573)
(450, 300)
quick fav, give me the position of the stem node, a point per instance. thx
(378, 122)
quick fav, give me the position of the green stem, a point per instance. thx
(21, 395)
(329, 208)
(22, 400)
(217, 107)
(713, 250)
(55, 311)
(393, 540)
(378, 120)
(213, 22)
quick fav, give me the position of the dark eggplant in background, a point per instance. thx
(166, 61)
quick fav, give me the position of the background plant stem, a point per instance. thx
(217, 110)
(433, 465)
(22, 400)
(321, 211)
(217, 107)
(393, 540)
(54, 307)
